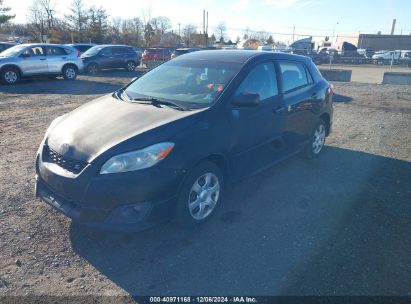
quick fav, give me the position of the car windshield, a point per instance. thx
(194, 84)
(12, 51)
(92, 51)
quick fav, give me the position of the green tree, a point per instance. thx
(4, 16)
(77, 19)
(97, 24)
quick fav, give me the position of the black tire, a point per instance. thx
(315, 146)
(92, 69)
(184, 216)
(130, 66)
(69, 72)
(10, 75)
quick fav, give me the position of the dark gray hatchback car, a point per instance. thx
(167, 144)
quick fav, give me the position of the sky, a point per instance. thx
(280, 17)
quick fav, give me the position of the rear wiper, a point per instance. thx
(155, 101)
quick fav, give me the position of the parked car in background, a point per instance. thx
(170, 142)
(182, 51)
(385, 57)
(6, 45)
(103, 57)
(82, 47)
(31, 60)
(152, 57)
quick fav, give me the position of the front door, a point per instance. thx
(33, 61)
(257, 131)
(108, 60)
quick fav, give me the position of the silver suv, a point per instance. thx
(29, 60)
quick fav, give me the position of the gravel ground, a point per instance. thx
(339, 225)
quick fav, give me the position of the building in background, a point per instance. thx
(375, 41)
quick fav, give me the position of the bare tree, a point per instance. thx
(188, 31)
(48, 9)
(38, 20)
(161, 24)
(221, 31)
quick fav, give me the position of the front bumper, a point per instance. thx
(130, 201)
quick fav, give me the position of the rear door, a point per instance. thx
(299, 99)
(32, 61)
(56, 58)
(257, 131)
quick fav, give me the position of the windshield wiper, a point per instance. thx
(155, 101)
(122, 95)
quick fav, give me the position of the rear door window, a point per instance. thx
(55, 51)
(294, 75)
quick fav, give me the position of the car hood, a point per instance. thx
(104, 123)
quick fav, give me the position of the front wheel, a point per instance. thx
(69, 72)
(199, 195)
(316, 144)
(130, 66)
(10, 75)
(92, 69)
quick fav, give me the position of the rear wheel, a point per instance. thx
(69, 72)
(199, 194)
(316, 144)
(130, 66)
(10, 75)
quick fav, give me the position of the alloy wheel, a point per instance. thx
(131, 66)
(203, 196)
(318, 139)
(92, 69)
(70, 73)
(10, 77)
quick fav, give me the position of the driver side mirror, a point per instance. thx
(247, 100)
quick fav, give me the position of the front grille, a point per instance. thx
(71, 165)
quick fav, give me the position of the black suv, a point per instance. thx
(6, 45)
(168, 143)
(102, 57)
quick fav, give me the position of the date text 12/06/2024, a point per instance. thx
(239, 299)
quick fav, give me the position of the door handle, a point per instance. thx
(64, 57)
(42, 58)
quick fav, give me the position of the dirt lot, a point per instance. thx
(339, 225)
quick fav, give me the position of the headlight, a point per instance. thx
(137, 160)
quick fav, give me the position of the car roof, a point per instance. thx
(239, 56)
(115, 45)
(73, 44)
(43, 44)
(186, 49)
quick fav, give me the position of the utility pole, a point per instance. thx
(179, 36)
(293, 32)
